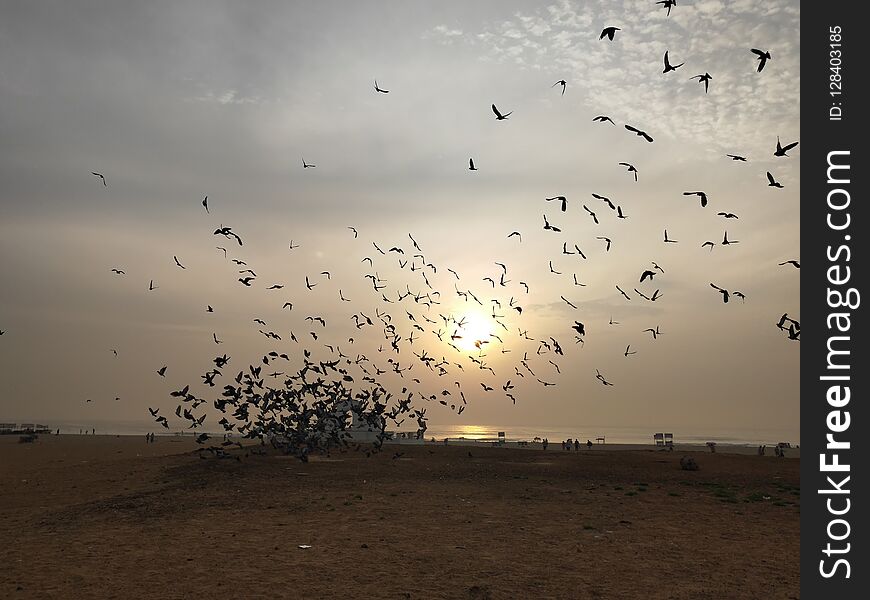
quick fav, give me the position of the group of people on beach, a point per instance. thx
(569, 443)
(149, 438)
(777, 450)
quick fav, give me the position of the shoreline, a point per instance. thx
(553, 447)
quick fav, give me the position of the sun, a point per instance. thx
(475, 328)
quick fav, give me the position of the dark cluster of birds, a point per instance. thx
(316, 393)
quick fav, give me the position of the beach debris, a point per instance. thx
(304, 546)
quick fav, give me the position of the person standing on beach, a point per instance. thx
(589, 444)
(545, 443)
(577, 445)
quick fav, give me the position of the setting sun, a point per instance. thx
(475, 329)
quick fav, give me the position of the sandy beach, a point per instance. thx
(114, 517)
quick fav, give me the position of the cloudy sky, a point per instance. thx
(176, 101)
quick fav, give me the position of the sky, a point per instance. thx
(173, 102)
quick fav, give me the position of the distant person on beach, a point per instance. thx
(576, 445)
(545, 443)
(93, 431)
(589, 444)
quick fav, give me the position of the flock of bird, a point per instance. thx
(302, 392)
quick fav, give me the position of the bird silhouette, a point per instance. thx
(162, 372)
(630, 168)
(471, 166)
(668, 240)
(609, 32)
(728, 215)
(516, 233)
(378, 89)
(604, 199)
(606, 240)
(727, 242)
(647, 275)
(628, 350)
(701, 195)
(563, 83)
(603, 119)
(562, 199)
(668, 66)
(549, 227)
(639, 133)
(725, 293)
(667, 4)
(178, 263)
(772, 182)
(498, 115)
(796, 264)
(205, 204)
(736, 157)
(763, 57)
(780, 150)
(101, 176)
(705, 79)
(592, 214)
(119, 272)
(306, 165)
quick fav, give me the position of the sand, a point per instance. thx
(114, 517)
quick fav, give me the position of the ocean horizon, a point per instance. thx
(484, 432)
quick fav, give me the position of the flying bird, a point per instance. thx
(178, 263)
(101, 176)
(701, 195)
(306, 165)
(668, 66)
(763, 57)
(594, 217)
(667, 4)
(627, 350)
(516, 233)
(118, 272)
(772, 182)
(728, 215)
(668, 240)
(550, 227)
(736, 157)
(355, 233)
(563, 83)
(725, 294)
(604, 199)
(378, 89)
(205, 204)
(796, 264)
(603, 118)
(727, 242)
(561, 199)
(647, 274)
(471, 166)
(639, 133)
(780, 150)
(630, 168)
(162, 371)
(498, 115)
(609, 32)
(705, 79)
(151, 286)
(606, 240)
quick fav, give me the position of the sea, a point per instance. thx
(615, 435)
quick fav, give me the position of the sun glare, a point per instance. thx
(475, 329)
